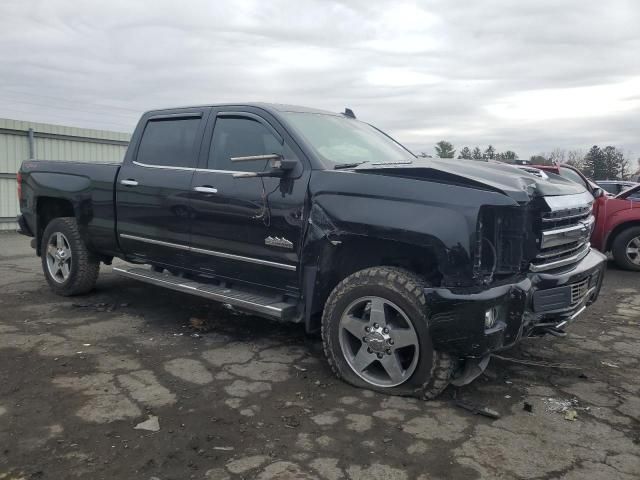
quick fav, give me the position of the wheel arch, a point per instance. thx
(48, 208)
(617, 230)
(334, 260)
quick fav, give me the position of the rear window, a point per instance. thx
(169, 143)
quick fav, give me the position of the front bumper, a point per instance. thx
(537, 301)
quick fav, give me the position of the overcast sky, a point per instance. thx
(522, 75)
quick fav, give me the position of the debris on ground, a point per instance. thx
(537, 363)
(100, 306)
(528, 407)
(224, 449)
(152, 424)
(291, 421)
(568, 407)
(559, 406)
(199, 324)
(610, 364)
(571, 415)
(484, 411)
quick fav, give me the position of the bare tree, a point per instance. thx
(557, 156)
(575, 158)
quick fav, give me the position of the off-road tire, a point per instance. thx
(405, 289)
(619, 248)
(85, 266)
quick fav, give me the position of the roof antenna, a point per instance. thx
(349, 113)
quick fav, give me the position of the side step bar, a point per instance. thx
(268, 306)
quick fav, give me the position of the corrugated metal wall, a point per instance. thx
(50, 142)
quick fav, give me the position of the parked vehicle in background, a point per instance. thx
(414, 270)
(614, 187)
(532, 170)
(570, 173)
(617, 225)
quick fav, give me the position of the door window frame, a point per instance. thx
(200, 114)
(280, 134)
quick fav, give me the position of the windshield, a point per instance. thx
(342, 140)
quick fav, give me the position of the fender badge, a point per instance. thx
(278, 242)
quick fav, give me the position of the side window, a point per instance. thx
(242, 137)
(608, 187)
(169, 143)
(573, 176)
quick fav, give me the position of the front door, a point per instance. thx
(248, 229)
(154, 186)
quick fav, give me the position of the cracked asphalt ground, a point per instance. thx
(241, 397)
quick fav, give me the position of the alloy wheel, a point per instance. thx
(378, 341)
(633, 250)
(59, 257)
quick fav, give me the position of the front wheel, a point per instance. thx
(375, 334)
(69, 267)
(626, 249)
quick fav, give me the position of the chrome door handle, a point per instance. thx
(205, 189)
(129, 183)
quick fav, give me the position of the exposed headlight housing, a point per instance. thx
(490, 317)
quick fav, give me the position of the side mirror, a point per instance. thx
(280, 166)
(597, 192)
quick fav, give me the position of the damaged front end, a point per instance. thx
(534, 273)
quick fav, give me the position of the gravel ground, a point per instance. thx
(136, 382)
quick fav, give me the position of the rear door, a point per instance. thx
(154, 186)
(248, 229)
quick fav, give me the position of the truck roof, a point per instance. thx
(270, 107)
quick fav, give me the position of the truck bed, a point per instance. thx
(88, 188)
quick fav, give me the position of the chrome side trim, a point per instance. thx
(185, 169)
(155, 242)
(163, 167)
(563, 262)
(230, 256)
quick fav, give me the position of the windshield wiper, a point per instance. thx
(340, 166)
(355, 164)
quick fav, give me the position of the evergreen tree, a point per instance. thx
(594, 164)
(465, 153)
(445, 149)
(612, 162)
(476, 154)
(490, 152)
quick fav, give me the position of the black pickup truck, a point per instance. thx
(414, 270)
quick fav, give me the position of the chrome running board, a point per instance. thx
(267, 306)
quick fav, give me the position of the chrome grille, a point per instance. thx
(578, 291)
(566, 226)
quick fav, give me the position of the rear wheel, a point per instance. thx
(626, 249)
(375, 334)
(69, 267)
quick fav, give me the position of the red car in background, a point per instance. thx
(617, 228)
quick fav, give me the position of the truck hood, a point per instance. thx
(496, 176)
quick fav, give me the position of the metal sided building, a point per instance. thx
(20, 140)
